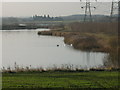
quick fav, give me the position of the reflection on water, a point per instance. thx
(27, 48)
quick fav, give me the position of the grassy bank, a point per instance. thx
(100, 79)
(97, 42)
(88, 36)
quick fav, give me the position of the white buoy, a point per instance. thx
(71, 45)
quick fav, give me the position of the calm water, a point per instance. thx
(27, 48)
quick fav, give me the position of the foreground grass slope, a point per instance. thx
(91, 79)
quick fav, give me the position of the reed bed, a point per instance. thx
(55, 68)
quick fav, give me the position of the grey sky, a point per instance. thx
(18, 9)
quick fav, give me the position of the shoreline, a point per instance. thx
(91, 42)
(79, 41)
(57, 69)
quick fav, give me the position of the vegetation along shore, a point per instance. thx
(95, 37)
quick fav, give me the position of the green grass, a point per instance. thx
(91, 79)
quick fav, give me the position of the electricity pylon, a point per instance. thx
(88, 10)
(114, 7)
(119, 9)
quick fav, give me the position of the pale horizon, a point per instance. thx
(54, 9)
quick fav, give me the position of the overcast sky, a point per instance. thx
(18, 9)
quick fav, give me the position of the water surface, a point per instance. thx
(27, 48)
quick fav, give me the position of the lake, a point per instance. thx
(27, 48)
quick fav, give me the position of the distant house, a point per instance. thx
(22, 25)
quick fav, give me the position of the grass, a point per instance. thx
(91, 79)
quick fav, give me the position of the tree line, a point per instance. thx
(46, 18)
